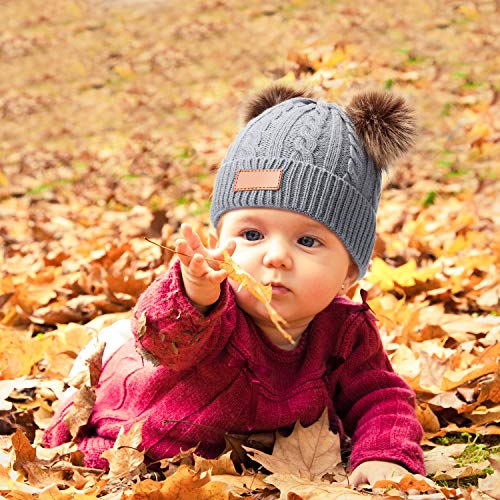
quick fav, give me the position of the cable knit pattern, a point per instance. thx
(224, 376)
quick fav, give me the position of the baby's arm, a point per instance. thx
(187, 314)
(377, 407)
(201, 277)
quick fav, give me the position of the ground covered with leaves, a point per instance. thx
(115, 116)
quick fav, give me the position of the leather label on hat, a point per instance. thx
(248, 180)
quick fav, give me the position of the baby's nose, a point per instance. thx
(278, 255)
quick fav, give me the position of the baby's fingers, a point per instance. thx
(184, 251)
(198, 266)
(230, 247)
(217, 277)
(192, 239)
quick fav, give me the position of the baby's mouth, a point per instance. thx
(279, 288)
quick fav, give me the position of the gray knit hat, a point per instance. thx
(313, 157)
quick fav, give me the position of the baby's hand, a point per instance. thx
(372, 471)
(201, 278)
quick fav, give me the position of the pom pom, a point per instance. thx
(385, 124)
(269, 97)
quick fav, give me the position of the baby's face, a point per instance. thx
(303, 261)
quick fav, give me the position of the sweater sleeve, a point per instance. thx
(58, 433)
(92, 446)
(170, 331)
(376, 405)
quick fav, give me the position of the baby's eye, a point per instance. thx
(308, 241)
(252, 235)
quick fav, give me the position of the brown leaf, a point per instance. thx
(92, 371)
(185, 484)
(308, 452)
(30, 465)
(293, 487)
(25, 453)
(125, 458)
(81, 410)
(470, 470)
(491, 483)
(442, 458)
(221, 465)
(427, 418)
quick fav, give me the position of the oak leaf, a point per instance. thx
(309, 452)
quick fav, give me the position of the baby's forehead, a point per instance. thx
(269, 216)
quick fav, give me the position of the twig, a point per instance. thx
(175, 251)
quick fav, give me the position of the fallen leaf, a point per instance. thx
(427, 418)
(442, 458)
(296, 488)
(184, 484)
(6, 387)
(221, 465)
(30, 465)
(80, 411)
(491, 483)
(309, 452)
(461, 472)
(125, 458)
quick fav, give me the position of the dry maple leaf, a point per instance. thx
(309, 452)
(27, 462)
(124, 458)
(293, 487)
(185, 484)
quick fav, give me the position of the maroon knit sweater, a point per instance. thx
(219, 371)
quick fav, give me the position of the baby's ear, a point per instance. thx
(213, 239)
(352, 275)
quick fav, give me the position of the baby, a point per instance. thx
(295, 204)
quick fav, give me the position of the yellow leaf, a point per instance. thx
(124, 71)
(187, 484)
(380, 274)
(236, 273)
(258, 290)
(407, 275)
(19, 352)
(333, 59)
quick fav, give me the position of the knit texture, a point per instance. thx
(224, 376)
(326, 172)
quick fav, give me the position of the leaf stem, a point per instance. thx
(175, 251)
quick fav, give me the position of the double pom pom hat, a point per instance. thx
(316, 158)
